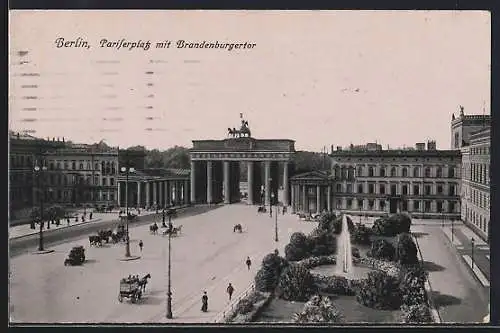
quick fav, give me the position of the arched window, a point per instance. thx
(416, 172)
(337, 172)
(427, 172)
(73, 165)
(404, 172)
(370, 172)
(393, 172)
(382, 171)
(350, 173)
(439, 172)
(88, 166)
(103, 167)
(81, 165)
(108, 168)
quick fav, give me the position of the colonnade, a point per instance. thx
(257, 184)
(154, 193)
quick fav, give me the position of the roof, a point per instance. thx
(157, 173)
(397, 153)
(313, 175)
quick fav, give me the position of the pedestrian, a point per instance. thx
(90, 216)
(248, 262)
(67, 220)
(230, 290)
(76, 218)
(141, 244)
(204, 302)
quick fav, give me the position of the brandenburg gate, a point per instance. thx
(215, 168)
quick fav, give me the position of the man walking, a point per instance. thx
(248, 262)
(204, 302)
(141, 244)
(230, 290)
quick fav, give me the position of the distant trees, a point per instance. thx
(306, 161)
(176, 157)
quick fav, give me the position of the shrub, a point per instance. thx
(317, 261)
(406, 251)
(322, 243)
(355, 252)
(412, 285)
(267, 276)
(244, 306)
(318, 310)
(361, 235)
(296, 284)
(298, 248)
(338, 285)
(382, 249)
(326, 221)
(379, 291)
(420, 313)
(389, 267)
(392, 225)
(337, 225)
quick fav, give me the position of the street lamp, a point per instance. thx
(169, 288)
(271, 200)
(39, 171)
(472, 252)
(127, 171)
(275, 218)
(452, 220)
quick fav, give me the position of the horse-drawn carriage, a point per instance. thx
(132, 288)
(173, 231)
(238, 227)
(76, 256)
(261, 209)
(131, 217)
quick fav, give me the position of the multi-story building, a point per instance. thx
(368, 180)
(474, 146)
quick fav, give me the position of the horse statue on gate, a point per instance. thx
(244, 130)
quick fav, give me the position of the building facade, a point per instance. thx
(475, 148)
(374, 182)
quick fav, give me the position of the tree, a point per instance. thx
(361, 235)
(379, 291)
(406, 251)
(382, 249)
(267, 277)
(306, 161)
(298, 248)
(392, 225)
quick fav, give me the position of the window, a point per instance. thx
(51, 166)
(339, 204)
(88, 166)
(382, 189)
(360, 203)
(349, 203)
(360, 188)
(58, 165)
(427, 172)
(81, 165)
(96, 180)
(382, 204)
(349, 188)
(427, 190)
(439, 189)
(339, 188)
(416, 189)
(404, 172)
(350, 173)
(104, 182)
(451, 207)
(112, 196)
(451, 172)
(427, 206)
(457, 143)
(370, 204)
(393, 172)
(416, 172)
(73, 165)
(360, 171)
(382, 172)
(96, 166)
(370, 172)
(439, 206)
(439, 172)
(371, 189)
(111, 181)
(404, 190)
(405, 205)
(393, 190)
(451, 189)
(65, 165)
(416, 205)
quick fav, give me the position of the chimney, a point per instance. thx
(331, 148)
(420, 146)
(63, 138)
(339, 148)
(431, 145)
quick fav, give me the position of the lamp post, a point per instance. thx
(472, 252)
(452, 220)
(275, 218)
(39, 171)
(271, 200)
(127, 171)
(169, 286)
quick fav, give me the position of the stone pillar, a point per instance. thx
(119, 196)
(167, 196)
(318, 199)
(304, 208)
(293, 198)
(154, 192)
(147, 195)
(329, 195)
(209, 182)
(250, 181)
(267, 175)
(286, 202)
(160, 193)
(138, 194)
(193, 188)
(227, 191)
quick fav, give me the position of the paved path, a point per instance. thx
(458, 296)
(206, 256)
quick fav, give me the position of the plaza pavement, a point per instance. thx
(206, 256)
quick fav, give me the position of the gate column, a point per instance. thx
(250, 182)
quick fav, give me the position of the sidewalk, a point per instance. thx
(25, 230)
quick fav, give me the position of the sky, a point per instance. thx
(320, 78)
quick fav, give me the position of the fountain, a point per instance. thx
(344, 254)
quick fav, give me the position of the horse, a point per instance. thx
(144, 281)
(238, 228)
(95, 240)
(178, 229)
(261, 209)
(153, 228)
